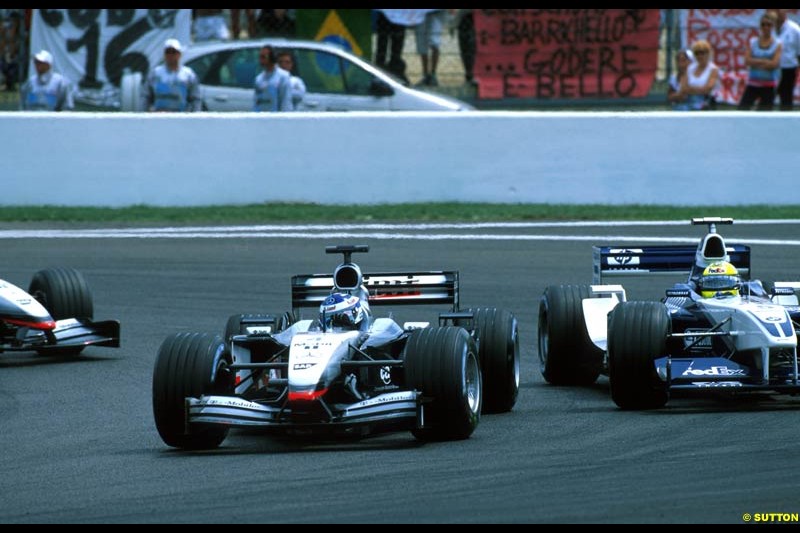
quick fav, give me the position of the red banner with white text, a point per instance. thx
(566, 53)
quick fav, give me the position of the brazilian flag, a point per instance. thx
(349, 28)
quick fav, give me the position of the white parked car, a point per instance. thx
(335, 79)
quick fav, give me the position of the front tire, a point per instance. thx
(65, 293)
(567, 355)
(442, 363)
(189, 365)
(637, 335)
(498, 353)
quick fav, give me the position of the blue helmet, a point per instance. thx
(342, 311)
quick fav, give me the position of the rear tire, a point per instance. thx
(65, 294)
(189, 365)
(498, 353)
(442, 363)
(637, 335)
(566, 353)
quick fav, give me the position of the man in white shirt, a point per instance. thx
(286, 62)
(273, 86)
(46, 90)
(172, 86)
(788, 33)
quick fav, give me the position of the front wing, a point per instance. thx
(70, 332)
(233, 411)
(703, 373)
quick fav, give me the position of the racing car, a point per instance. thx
(739, 337)
(343, 371)
(55, 316)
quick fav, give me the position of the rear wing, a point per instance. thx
(385, 288)
(664, 259)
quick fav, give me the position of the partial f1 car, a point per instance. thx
(55, 316)
(718, 331)
(343, 371)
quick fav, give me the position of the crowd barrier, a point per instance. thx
(666, 158)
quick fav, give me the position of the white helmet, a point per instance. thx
(341, 310)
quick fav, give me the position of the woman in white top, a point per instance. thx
(701, 78)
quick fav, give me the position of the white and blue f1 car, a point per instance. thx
(684, 342)
(307, 376)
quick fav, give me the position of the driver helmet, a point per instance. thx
(344, 311)
(719, 279)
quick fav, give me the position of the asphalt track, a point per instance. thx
(79, 443)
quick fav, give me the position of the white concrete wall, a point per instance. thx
(119, 159)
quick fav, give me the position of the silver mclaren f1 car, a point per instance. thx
(343, 370)
(54, 317)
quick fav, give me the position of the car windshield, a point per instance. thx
(321, 71)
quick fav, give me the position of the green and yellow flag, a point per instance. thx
(349, 28)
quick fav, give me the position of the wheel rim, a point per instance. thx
(223, 379)
(515, 356)
(472, 382)
(40, 296)
(544, 338)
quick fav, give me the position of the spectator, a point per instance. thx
(46, 90)
(463, 22)
(209, 24)
(273, 86)
(676, 98)
(429, 37)
(10, 36)
(701, 78)
(172, 86)
(390, 37)
(788, 32)
(763, 57)
(236, 22)
(276, 22)
(298, 87)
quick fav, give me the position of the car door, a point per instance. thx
(334, 83)
(227, 78)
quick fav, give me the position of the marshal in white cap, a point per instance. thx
(43, 56)
(173, 44)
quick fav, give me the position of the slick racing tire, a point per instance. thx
(497, 335)
(234, 326)
(442, 363)
(567, 355)
(637, 335)
(189, 365)
(65, 294)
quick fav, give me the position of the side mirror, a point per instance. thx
(380, 88)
